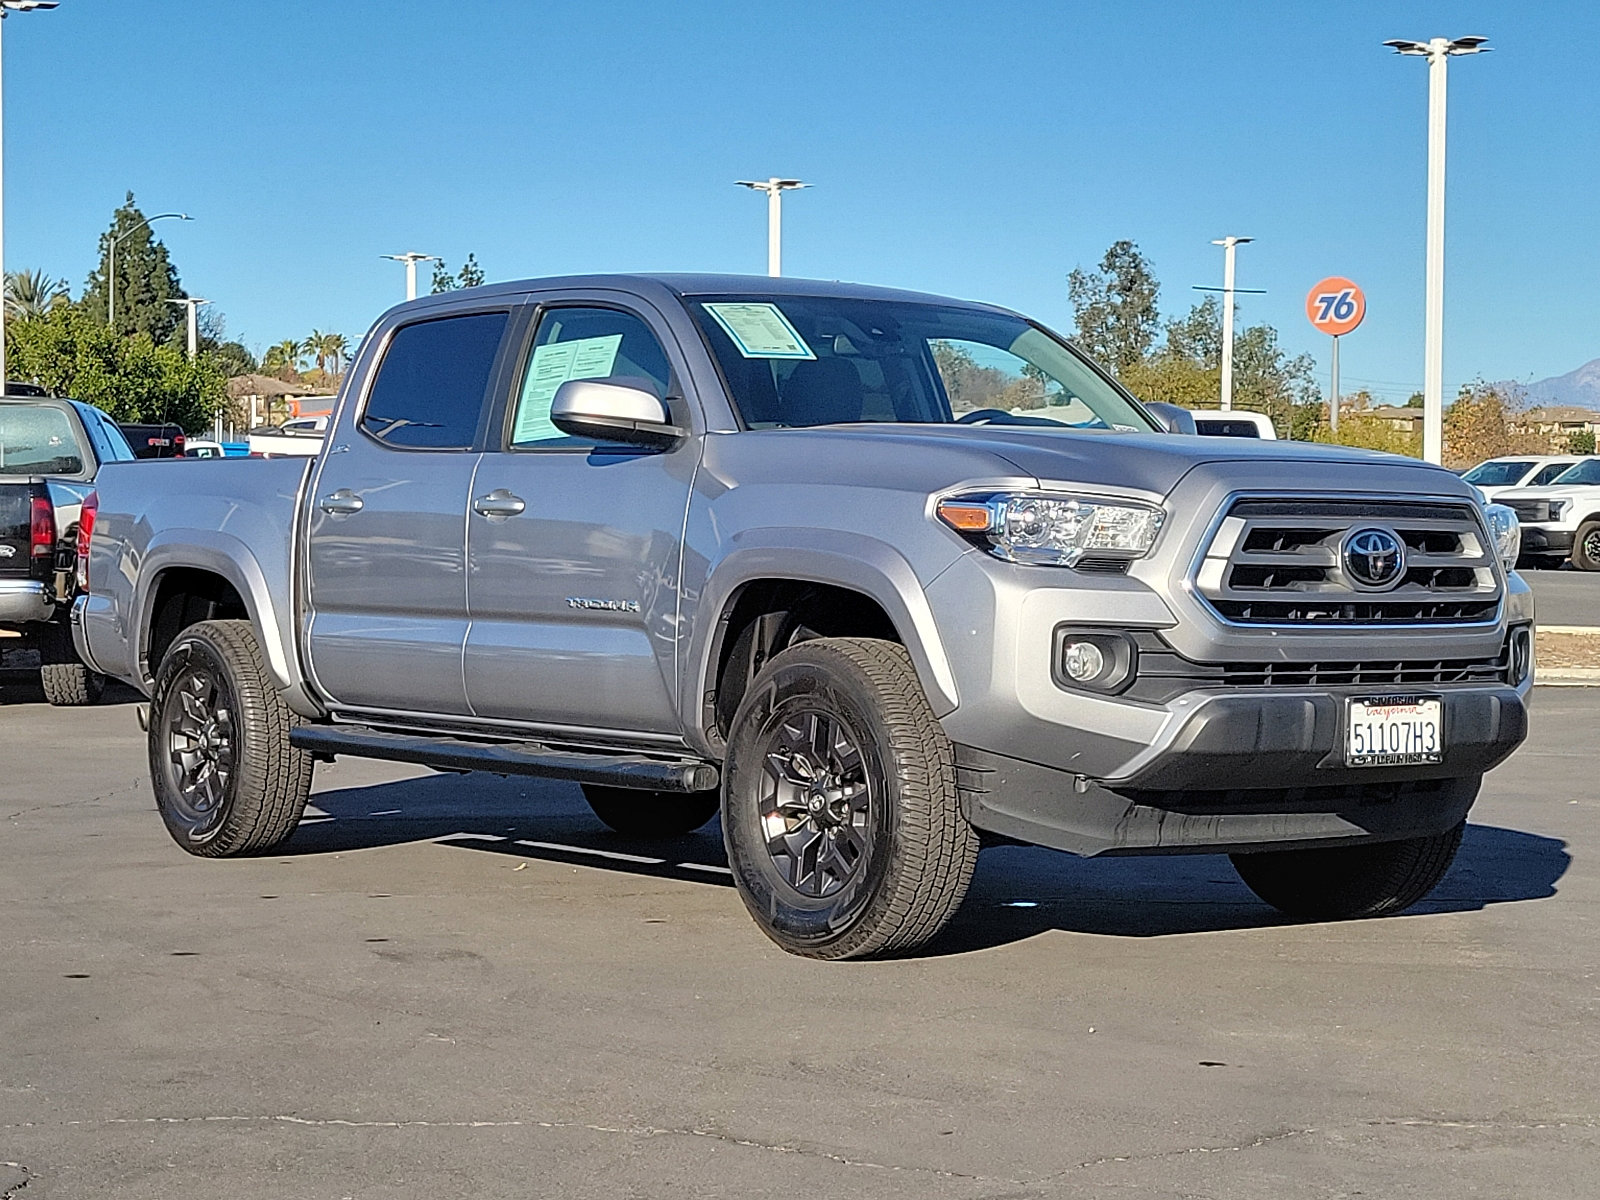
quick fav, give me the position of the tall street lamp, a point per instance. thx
(1437, 52)
(774, 188)
(7, 7)
(1229, 245)
(111, 263)
(411, 258)
(191, 319)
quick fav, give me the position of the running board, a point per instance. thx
(508, 758)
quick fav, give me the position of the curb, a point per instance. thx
(1586, 630)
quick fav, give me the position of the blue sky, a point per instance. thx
(980, 150)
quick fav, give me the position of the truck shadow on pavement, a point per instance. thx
(1017, 893)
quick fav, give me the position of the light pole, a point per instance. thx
(1438, 52)
(192, 305)
(111, 262)
(774, 188)
(1229, 245)
(7, 7)
(411, 258)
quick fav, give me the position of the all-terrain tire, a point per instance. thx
(645, 814)
(1346, 882)
(67, 679)
(888, 819)
(213, 702)
(1586, 547)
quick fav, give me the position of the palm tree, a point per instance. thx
(313, 346)
(335, 348)
(283, 359)
(32, 293)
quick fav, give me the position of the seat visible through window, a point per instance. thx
(822, 391)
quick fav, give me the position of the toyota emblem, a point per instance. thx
(1374, 558)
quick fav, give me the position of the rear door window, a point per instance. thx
(1547, 473)
(432, 383)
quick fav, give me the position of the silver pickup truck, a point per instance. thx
(877, 575)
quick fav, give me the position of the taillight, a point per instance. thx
(91, 508)
(177, 446)
(43, 535)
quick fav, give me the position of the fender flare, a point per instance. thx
(840, 559)
(231, 559)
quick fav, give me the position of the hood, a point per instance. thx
(1151, 462)
(1548, 491)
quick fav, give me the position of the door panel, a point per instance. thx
(574, 596)
(386, 540)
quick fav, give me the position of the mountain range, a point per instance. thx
(1580, 388)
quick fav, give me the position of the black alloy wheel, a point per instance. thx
(816, 801)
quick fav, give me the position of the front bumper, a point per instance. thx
(24, 601)
(1537, 539)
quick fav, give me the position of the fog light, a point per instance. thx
(1093, 660)
(1082, 661)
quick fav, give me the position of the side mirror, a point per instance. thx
(621, 409)
(1170, 417)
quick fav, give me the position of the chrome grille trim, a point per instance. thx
(1277, 561)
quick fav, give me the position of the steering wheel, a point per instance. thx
(983, 416)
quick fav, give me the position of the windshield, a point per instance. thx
(37, 441)
(792, 361)
(1497, 474)
(1587, 471)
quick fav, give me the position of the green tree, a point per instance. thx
(235, 359)
(283, 360)
(470, 275)
(1114, 308)
(146, 280)
(69, 352)
(33, 293)
(1581, 442)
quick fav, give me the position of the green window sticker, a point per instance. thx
(553, 365)
(760, 330)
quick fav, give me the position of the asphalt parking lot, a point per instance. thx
(464, 986)
(1566, 597)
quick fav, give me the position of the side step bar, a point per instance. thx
(509, 758)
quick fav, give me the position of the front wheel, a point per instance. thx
(839, 805)
(1586, 547)
(1345, 882)
(227, 782)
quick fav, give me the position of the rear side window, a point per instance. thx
(37, 441)
(1546, 474)
(432, 382)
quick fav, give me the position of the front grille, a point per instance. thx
(1163, 673)
(1530, 510)
(1281, 562)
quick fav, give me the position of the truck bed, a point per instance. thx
(236, 517)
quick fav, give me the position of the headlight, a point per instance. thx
(1506, 531)
(1053, 530)
(1558, 509)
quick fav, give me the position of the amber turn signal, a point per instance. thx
(965, 518)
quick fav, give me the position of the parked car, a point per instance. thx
(1496, 475)
(714, 544)
(1561, 520)
(154, 441)
(199, 448)
(299, 437)
(50, 453)
(1236, 422)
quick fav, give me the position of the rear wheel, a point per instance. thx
(226, 780)
(839, 806)
(1350, 881)
(67, 678)
(1586, 547)
(644, 814)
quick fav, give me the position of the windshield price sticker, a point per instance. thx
(760, 330)
(1394, 731)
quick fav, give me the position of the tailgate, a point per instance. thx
(16, 525)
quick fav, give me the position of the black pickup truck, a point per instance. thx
(50, 452)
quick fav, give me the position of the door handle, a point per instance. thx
(341, 503)
(499, 503)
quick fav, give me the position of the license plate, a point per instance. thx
(1393, 731)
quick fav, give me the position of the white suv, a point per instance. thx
(1561, 518)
